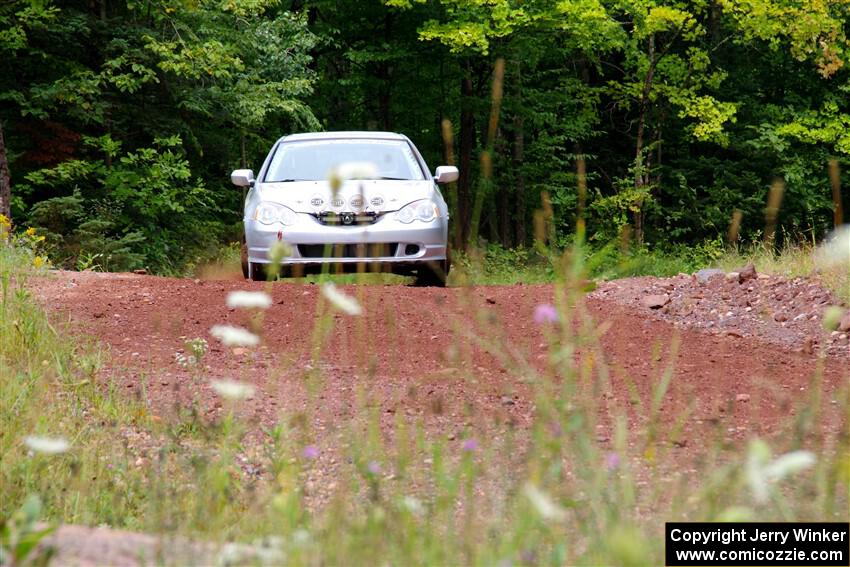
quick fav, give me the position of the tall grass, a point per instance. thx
(551, 494)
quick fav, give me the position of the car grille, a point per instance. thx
(359, 250)
(347, 218)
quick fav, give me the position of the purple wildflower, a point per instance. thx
(374, 467)
(545, 313)
(470, 445)
(612, 461)
(310, 452)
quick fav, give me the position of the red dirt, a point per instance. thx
(417, 361)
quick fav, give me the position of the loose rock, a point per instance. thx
(656, 301)
(748, 272)
(808, 346)
(844, 324)
(706, 274)
(780, 310)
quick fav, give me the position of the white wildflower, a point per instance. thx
(788, 464)
(198, 347)
(300, 537)
(234, 336)
(835, 250)
(545, 506)
(248, 300)
(341, 301)
(47, 445)
(413, 505)
(256, 554)
(233, 390)
(184, 360)
(356, 170)
(762, 472)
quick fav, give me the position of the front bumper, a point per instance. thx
(386, 241)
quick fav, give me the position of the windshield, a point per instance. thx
(314, 160)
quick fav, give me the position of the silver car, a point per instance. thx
(348, 201)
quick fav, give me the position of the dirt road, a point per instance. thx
(412, 355)
(746, 358)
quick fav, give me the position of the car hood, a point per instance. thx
(354, 196)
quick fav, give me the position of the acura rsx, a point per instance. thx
(353, 200)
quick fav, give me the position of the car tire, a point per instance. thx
(433, 274)
(244, 258)
(257, 272)
(260, 272)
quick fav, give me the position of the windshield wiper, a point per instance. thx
(288, 180)
(394, 178)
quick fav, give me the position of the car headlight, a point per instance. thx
(425, 210)
(270, 213)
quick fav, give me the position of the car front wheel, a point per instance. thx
(433, 274)
(261, 273)
(245, 271)
(257, 272)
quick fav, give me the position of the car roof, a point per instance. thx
(352, 135)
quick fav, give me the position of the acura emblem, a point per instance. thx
(347, 218)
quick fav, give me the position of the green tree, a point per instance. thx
(218, 81)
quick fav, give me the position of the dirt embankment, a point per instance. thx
(788, 313)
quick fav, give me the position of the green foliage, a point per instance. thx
(473, 24)
(682, 111)
(611, 261)
(810, 30)
(828, 126)
(495, 264)
(151, 107)
(20, 536)
(142, 209)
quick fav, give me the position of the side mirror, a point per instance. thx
(242, 178)
(446, 174)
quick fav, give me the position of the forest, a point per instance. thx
(659, 119)
(539, 405)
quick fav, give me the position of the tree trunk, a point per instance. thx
(835, 181)
(505, 206)
(242, 150)
(465, 147)
(641, 177)
(520, 215)
(520, 236)
(385, 73)
(5, 180)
